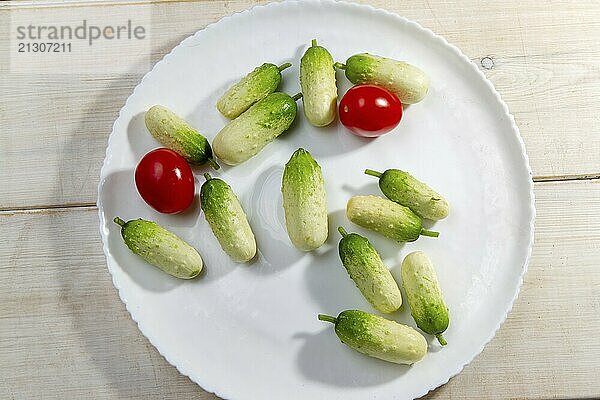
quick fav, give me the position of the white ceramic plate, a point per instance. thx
(251, 331)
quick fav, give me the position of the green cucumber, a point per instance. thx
(403, 188)
(304, 201)
(317, 79)
(248, 134)
(371, 276)
(386, 218)
(227, 219)
(424, 295)
(176, 134)
(161, 248)
(406, 81)
(378, 337)
(255, 86)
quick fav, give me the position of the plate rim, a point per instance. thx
(220, 392)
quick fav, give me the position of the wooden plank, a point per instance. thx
(542, 57)
(55, 127)
(546, 349)
(64, 332)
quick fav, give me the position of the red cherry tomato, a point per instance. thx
(165, 181)
(370, 111)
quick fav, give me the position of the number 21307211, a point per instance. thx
(44, 47)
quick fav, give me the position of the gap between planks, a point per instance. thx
(66, 207)
(559, 178)
(46, 208)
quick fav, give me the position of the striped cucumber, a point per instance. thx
(304, 201)
(406, 81)
(161, 248)
(317, 79)
(248, 134)
(386, 218)
(176, 134)
(424, 295)
(227, 219)
(378, 337)
(255, 86)
(371, 276)
(404, 189)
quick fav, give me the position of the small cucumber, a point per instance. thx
(424, 295)
(378, 337)
(317, 79)
(406, 81)
(255, 86)
(248, 134)
(371, 276)
(176, 134)
(386, 218)
(405, 189)
(161, 248)
(227, 219)
(304, 201)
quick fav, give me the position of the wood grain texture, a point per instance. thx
(64, 332)
(546, 348)
(541, 56)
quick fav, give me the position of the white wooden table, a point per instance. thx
(64, 333)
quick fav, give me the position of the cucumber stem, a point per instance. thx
(207, 176)
(339, 65)
(373, 173)
(119, 221)
(327, 318)
(313, 42)
(213, 163)
(297, 96)
(441, 339)
(342, 231)
(284, 66)
(426, 232)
